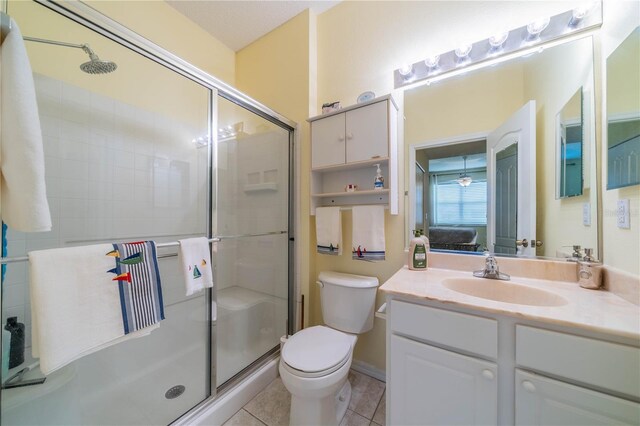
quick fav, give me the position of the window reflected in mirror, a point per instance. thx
(623, 113)
(451, 206)
(570, 159)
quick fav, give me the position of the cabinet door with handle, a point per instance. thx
(367, 132)
(432, 386)
(328, 139)
(544, 401)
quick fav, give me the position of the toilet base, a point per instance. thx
(325, 411)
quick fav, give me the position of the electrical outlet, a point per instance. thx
(586, 214)
(623, 214)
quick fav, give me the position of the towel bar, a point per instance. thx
(6, 260)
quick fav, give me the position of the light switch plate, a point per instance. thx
(623, 214)
(586, 214)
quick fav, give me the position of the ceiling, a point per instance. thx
(239, 23)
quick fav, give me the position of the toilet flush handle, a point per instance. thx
(320, 284)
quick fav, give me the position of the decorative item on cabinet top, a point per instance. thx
(345, 145)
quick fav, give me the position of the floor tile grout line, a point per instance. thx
(248, 412)
(378, 405)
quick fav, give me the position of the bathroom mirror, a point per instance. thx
(569, 145)
(623, 113)
(506, 114)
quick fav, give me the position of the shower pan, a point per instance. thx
(129, 157)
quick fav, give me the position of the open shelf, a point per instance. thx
(347, 194)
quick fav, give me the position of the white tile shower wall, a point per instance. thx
(113, 172)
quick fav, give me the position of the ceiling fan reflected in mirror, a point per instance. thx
(464, 179)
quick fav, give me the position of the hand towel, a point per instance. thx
(195, 258)
(24, 196)
(84, 299)
(368, 233)
(329, 230)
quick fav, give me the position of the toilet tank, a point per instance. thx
(347, 301)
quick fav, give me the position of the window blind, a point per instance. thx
(457, 205)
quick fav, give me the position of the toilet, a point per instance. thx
(315, 362)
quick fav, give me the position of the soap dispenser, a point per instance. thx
(417, 253)
(589, 271)
(16, 347)
(378, 183)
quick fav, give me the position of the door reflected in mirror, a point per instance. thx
(623, 113)
(569, 173)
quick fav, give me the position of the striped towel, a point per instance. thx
(87, 298)
(136, 269)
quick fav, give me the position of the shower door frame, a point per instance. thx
(90, 18)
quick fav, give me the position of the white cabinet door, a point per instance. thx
(367, 132)
(431, 386)
(327, 146)
(543, 401)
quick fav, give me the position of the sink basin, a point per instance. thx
(504, 291)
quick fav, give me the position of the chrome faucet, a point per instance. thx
(491, 270)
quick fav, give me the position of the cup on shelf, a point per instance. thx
(351, 187)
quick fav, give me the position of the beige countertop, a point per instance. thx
(594, 310)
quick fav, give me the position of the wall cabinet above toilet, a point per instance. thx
(346, 145)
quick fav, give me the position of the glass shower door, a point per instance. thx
(251, 216)
(121, 164)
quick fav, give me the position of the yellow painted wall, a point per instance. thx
(471, 103)
(279, 70)
(621, 246)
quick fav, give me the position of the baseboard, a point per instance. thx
(223, 408)
(369, 370)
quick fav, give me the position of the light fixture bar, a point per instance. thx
(519, 42)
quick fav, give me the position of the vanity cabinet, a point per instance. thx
(434, 383)
(346, 145)
(454, 365)
(544, 401)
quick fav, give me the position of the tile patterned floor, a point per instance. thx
(271, 406)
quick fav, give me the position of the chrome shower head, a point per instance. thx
(96, 65)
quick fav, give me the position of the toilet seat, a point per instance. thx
(316, 351)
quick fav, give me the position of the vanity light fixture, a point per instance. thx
(539, 34)
(201, 141)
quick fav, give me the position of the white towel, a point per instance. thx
(75, 305)
(24, 196)
(368, 233)
(329, 230)
(195, 259)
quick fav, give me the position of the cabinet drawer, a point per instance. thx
(466, 332)
(607, 365)
(543, 401)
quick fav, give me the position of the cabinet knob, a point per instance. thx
(349, 135)
(488, 374)
(528, 386)
(341, 138)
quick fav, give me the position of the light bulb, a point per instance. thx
(463, 51)
(536, 27)
(405, 70)
(579, 13)
(497, 40)
(432, 61)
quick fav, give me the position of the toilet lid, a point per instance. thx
(316, 349)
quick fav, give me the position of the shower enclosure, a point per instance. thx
(154, 150)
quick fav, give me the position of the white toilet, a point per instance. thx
(315, 362)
